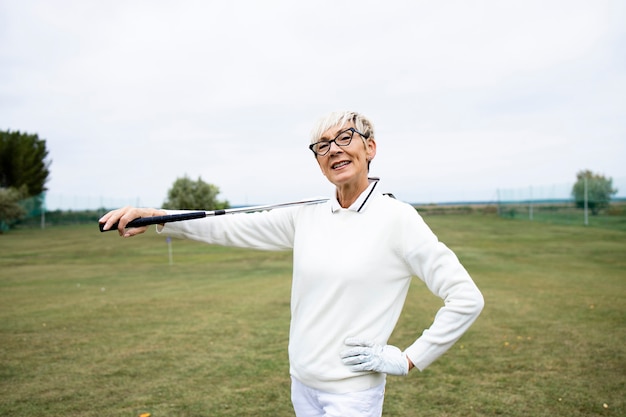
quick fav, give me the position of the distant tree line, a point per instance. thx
(25, 170)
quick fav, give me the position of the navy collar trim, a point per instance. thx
(360, 202)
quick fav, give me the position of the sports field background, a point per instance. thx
(95, 325)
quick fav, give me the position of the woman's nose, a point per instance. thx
(337, 147)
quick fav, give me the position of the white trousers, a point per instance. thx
(309, 402)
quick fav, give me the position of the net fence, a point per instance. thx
(49, 209)
(552, 203)
(556, 203)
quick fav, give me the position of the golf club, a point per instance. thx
(190, 215)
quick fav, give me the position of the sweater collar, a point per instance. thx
(360, 202)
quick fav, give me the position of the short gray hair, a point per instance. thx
(342, 118)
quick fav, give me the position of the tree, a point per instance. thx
(186, 194)
(23, 162)
(599, 190)
(10, 209)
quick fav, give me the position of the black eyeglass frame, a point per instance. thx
(329, 142)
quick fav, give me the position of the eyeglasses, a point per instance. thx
(344, 138)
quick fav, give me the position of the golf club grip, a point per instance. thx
(147, 221)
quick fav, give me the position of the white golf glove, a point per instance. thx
(368, 356)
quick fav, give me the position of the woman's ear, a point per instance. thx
(370, 147)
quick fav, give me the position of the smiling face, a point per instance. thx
(347, 166)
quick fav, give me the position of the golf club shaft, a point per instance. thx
(190, 215)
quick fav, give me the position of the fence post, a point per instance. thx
(499, 203)
(43, 210)
(586, 215)
(530, 204)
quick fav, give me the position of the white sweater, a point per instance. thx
(351, 273)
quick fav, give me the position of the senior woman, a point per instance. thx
(353, 260)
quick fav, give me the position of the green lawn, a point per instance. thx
(95, 325)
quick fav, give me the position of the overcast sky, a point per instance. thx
(467, 97)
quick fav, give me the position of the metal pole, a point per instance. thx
(499, 203)
(42, 207)
(586, 201)
(169, 250)
(530, 204)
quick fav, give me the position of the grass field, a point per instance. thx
(95, 325)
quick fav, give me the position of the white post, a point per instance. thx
(169, 250)
(586, 202)
(530, 204)
(42, 207)
(499, 202)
